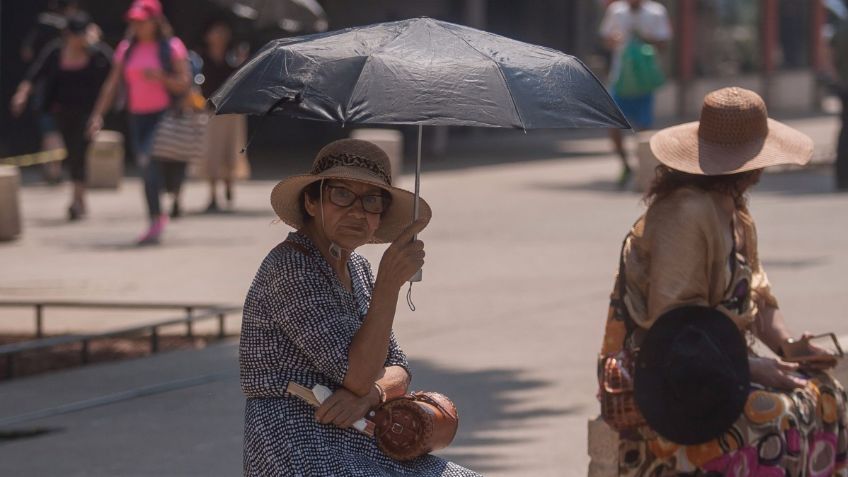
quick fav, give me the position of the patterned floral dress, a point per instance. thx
(801, 433)
(298, 324)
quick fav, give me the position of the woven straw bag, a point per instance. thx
(616, 369)
(617, 396)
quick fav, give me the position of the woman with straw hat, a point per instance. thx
(697, 246)
(315, 314)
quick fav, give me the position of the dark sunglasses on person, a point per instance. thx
(344, 197)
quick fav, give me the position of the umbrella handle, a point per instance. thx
(418, 275)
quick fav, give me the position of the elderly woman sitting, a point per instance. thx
(315, 314)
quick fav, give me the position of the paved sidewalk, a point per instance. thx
(188, 424)
(521, 254)
(187, 420)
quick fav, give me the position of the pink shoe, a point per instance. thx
(155, 231)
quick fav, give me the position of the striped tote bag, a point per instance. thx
(181, 135)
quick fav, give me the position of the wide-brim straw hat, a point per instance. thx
(733, 135)
(351, 160)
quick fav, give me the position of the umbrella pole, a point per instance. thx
(417, 277)
(417, 176)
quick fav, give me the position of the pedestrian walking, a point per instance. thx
(180, 136)
(633, 30)
(224, 161)
(152, 64)
(46, 30)
(697, 245)
(72, 70)
(315, 314)
(840, 61)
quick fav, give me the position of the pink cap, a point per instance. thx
(144, 10)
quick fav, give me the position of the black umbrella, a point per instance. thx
(419, 71)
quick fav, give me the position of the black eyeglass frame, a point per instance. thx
(385, 199)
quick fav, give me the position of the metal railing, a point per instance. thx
(40, 306)
(12, 350)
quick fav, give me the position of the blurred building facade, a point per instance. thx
(775, 47)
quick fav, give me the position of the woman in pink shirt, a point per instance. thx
(153, 64)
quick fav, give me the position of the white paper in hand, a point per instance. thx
(322, 392)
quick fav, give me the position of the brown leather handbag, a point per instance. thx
(415, 424)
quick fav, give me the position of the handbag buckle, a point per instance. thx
(397, 428)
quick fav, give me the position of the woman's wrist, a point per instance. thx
(382, 285)
(779, 350)
(779, 346)
(377, 396)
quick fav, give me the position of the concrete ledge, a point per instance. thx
(646, 169)
(603, 449)
(786, 91)
(665, 101)
(105, 160)
(792, 91)
(10, 214)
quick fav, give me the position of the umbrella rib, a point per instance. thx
(500, 72)
(359, 75)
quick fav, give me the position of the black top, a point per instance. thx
(48, 27)
(71, 88)
(215, 74)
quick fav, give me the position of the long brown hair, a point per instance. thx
(164, 30)
(669, 180)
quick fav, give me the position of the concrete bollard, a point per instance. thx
(646, 171)
(105, 160)
(603, 444)
(389, 140)
(10, 214)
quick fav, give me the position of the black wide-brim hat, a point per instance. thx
(692, 377)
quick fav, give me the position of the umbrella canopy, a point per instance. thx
(419, 71)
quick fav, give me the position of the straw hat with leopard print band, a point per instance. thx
(734, 135)
(350, 160)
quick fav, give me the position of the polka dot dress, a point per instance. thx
(298, 324)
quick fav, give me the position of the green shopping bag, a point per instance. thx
(640, 71)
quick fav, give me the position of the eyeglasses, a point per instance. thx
(344, 197)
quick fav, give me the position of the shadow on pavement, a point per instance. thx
(492, 148)
(54, 222)
(486, 402)
(235, 213)
(816, 180)
(26, 433)
(589, 186)
(467, 147)
(130, 244)
(795, 264)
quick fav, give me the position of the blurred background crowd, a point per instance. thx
(776, 47)
(71, 68)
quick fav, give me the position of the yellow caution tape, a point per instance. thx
(51, 155)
